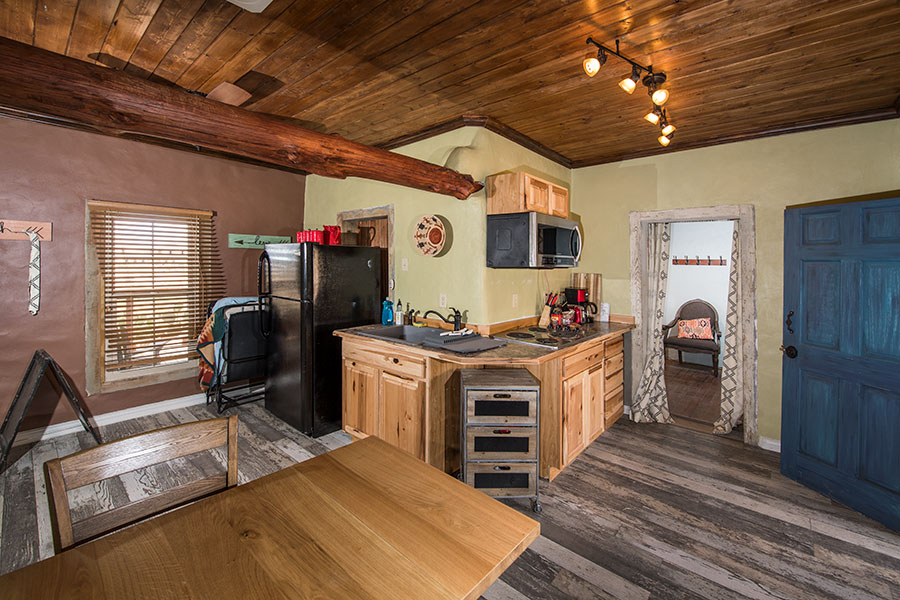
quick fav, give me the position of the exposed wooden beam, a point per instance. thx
(488, 123)
(39, 84)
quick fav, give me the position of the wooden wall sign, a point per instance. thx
(249, 240)
(31, 381)
(19, 230)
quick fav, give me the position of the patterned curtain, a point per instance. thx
(732, 408)
(651, 404)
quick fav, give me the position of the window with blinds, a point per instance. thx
(158, 269)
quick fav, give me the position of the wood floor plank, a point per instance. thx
(871, 539)
(40, 454)
(500, 590)
(19, 526)
(618, 587)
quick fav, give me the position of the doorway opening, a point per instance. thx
(697, 293)
(643, 227)
(372, 227)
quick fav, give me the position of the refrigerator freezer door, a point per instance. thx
(285, 270)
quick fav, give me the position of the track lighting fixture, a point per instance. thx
(659, 97)
(652, 80)
(592, 64)
(629, 83)
(654, 115)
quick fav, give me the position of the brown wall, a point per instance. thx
(48, 173)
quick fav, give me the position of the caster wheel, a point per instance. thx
(536, 507)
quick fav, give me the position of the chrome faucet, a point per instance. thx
(456, 320)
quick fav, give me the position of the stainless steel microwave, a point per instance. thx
(532, 240)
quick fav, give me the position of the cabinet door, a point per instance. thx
(559, 201)
(596, 413)
(359, 396)
(537, 195)
(403, 414)
(574, 393)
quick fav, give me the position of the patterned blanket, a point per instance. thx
(209, 343)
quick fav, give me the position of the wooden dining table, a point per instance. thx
(364, 521)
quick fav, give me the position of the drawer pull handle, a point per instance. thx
(353, 364)
(503, 431)
(396, 361)
(502, 395)
(499, 468)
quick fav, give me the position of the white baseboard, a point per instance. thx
(770, 444)
(51, 431)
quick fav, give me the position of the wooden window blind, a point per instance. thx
(159, 269)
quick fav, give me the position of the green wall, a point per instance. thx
(486, 294)
(770, 173)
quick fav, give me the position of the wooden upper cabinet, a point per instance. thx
(559, 201)
(520, 192)
(537, 195)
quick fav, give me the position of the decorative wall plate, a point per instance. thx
(430, 235)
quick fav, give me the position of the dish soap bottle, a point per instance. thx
(398, 314)
(387, 313)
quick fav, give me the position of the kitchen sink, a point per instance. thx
(407, 333)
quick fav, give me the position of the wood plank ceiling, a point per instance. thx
(382, 72)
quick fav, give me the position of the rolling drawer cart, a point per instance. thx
(499, 434)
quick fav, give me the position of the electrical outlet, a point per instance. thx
(404, 264)
(443, 301)
(515, 301)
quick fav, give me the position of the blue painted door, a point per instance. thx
(841, 392)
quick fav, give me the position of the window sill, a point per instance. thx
(125, 381)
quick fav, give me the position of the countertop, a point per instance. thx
(512, 352)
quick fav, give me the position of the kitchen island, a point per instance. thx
(409, 395)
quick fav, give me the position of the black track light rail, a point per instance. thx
(616, 52)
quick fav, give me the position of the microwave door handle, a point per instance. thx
(580, 245)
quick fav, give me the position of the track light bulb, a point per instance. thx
(659, 97)
(652, 116)
(592, 64)
(667, 129)
(629, 83)
(664, 140)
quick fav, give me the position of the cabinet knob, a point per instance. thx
(396, 361)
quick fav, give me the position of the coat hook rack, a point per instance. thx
(18, 230)
(699, 262)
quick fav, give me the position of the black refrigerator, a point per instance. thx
(307, 291)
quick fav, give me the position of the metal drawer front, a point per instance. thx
(503, 479)
(499, 443)
(501, 407)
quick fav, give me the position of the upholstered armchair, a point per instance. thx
(699, 331)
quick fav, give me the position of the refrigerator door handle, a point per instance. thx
(264, 271)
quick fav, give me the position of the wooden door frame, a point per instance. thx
(744, 214)
(376, 212)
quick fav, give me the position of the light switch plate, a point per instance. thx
(515, 300)
(404, 264)
(443, 301)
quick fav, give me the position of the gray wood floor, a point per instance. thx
(648, 511)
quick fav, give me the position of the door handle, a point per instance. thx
(788, 323)
(790, 351)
